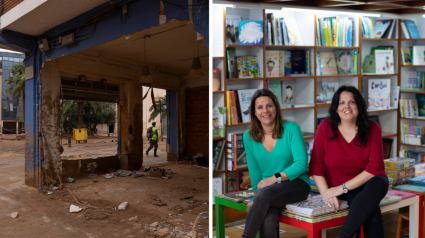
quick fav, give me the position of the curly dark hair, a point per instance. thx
(256, 130)
(363, 127)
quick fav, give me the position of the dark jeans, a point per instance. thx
(269, 202)
(364, 209)
(153, 144)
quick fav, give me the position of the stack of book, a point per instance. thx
(419, 190)
(417, 156)
(388, 199)
(236, 155)
(415, 79)
(238, 102)
(412, 135)
(418, 181)
(331, 31)
(379, 29)
(409, 29)
(282, 31)
(316, 219)
(400, 169)
(338, 62)
(241, 196)
(313, 207)
(290, 63)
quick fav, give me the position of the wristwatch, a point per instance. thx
(279, 178)
(344, 189)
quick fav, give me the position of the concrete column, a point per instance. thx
(50, 79)
(135, 152)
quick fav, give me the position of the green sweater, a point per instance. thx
(289, 156)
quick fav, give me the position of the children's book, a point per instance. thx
(272, 63)
(327, 63)
(250, 32)
(298, 58)
(248, 67)
(379, 94)
(389, 199)
(413, 30)
(288, 63)
(217, 188)
(421, 104)
(418, 55)
(406, 56)
(288, 91)
(232, 29)
(232, 182)
(275, 85)
(294, 33)
(282, 62)
(239, 151)
(395, 94)
(329, 87)
(219, 121)
(380, 27)
(231, 63)
(384, 61)
(244, 97)
(419, 181)
(313, 207)
(344, 62)
(219, 146)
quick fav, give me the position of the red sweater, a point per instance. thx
(340, 161)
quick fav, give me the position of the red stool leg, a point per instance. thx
(361, 232)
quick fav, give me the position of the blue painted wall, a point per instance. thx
(172, 137)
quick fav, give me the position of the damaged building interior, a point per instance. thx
(109, 61)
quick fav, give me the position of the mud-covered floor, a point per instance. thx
(181, 197)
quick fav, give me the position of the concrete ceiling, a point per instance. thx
(170, 48)
(44, 14)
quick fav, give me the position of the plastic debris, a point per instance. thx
(123, 206)
(108, 176)
(14, 215)
(49, 192)
(55, 188)
(74, 208)
(70, 180)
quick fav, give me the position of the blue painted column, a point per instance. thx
(172, 126)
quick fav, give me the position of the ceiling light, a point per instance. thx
(423, 16)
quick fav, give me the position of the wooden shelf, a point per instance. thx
(336, 47)
(373, 75)
(296, 108)
(320, 105)
(386, 110)
(389, 135)
(412, 39)
(219, 172)
(218, 92)
(378, 39)
(240, 124)
(412, 92)
(412, 66)
(420, 146)
(289, 46)
(308, 137)
(243, 46)
(292, 77)
(218, 138)
(243, 168)
(336, 76)
(412, 119)
(246, 79)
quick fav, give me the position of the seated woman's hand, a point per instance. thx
(248, 207)
(333, 192)
(266, 182)
(333, 202)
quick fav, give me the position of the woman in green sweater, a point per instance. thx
(277, 163)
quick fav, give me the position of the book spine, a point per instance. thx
(235, 154)
(235, 114)
(405, 32)
(322, 32)
(355, 63)
(319, 65)
(228, 64)
(269, 33)
(371, 27)
(331, 43)
(319, 43)
(349, 34)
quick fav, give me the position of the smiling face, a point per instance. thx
(347, 107)
(265, 110)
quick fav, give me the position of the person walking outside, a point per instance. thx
(153, 139)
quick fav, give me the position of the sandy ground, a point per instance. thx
(173, 203)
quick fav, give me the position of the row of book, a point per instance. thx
(415, 79)
(409, 29)
(419, 158)
(380, 61)
(379, 28)
(413, 108)
(331, 31)
(236, 155)
(413, 135)
(282, 31)
(414, 55)
(288, 63)
(218, 153)
(338, 62)
(238, 102)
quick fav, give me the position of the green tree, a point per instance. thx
(16, 83)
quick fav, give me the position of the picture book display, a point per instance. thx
(412, 29)
(406, 56)
(384, 62)
(421, 104)
(345, 62)
(247, 67)
(272, 63)
(275, 85)
(313, 207)
(299, 65)
(219, 121)
(418, 55)
(395, 95)
(218, 153)
(379, 94)
(327, 64)
(329, 87)
(217, 188)
(232, 29)
(294, 33)
(380, 27)
(232, 182)
(288, 91)
(250, 32)
(244, 97)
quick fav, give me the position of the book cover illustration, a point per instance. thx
(272, 63)
(418, 55)
(294, 33)
(232, 182)
(421, 104)
(379, 94)
(413, 30)
(288, 91)
(380, 27)
(218, 153)
(384, 62)
(344, 62)
(244, 97)
(239, 151)
(406, 56)
(275, 85)
(313, 207)
(329, 87)
(298, 58)
(288, 63)
(247, 67)
(282, 63)
(217, 188)
(219, 121)
(250, 32)
(327, 63)
(232, 29)
(403, 195)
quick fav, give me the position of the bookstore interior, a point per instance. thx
(303, 56)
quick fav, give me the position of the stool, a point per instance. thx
(404, 216)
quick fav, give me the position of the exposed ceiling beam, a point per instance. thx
(338, 3)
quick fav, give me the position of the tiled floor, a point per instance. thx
(389, 219)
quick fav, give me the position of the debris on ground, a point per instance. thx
(49, 192)
(14, 215)
(74, 208)
(70, 180)
(123, 206)
(133, 219)
(108, 176)
(158, 202)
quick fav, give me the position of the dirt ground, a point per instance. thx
(164, 207)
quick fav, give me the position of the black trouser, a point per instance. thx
(364, 209)
(269, 202)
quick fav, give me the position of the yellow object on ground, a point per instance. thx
(80, 135)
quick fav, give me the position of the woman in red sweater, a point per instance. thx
(347, 163)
